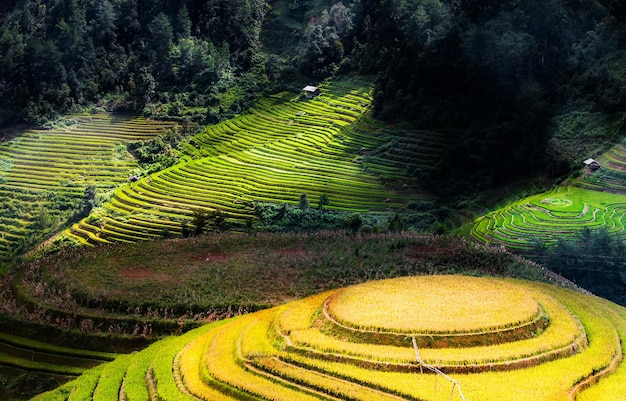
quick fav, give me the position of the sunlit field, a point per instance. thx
(44, 173)
(297, 351)
(285, 146)
(563, 212)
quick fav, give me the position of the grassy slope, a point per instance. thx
(193, 278)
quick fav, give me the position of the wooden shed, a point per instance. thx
(311, 91)
(592, 164)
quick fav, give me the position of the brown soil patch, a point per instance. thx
(425, 249)
(424, 252)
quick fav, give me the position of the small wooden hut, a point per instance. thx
(311, 91)
(592, 164)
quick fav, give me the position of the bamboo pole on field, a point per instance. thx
(455, 384)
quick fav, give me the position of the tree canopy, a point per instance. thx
(493, 75)
(61, 53)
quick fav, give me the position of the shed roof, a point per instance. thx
(310, 88)
(590, 161)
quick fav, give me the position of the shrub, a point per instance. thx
(304, 201)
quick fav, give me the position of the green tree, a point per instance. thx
(145, 87)
(42, 219)
(105, 23)
(183, 23)
(426, 21)
(218, 221)
(200, 221)
(323, 202)
(323, 49)
(89, 201)
(595, 260)
(395, 223)
(354, 222)
(304, 201)
(161, 38)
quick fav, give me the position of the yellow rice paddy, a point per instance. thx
(282, 353)
(434, 304)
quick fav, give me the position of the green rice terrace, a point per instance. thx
(594, 200)
(442, 337)
(612, 175)
(564, 212)
(44, 173)
(285, 146)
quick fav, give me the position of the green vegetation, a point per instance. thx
(179, 61)
(455, 98)
(561, 213)
(326, 148)
(159, 287)
(259, 355)
(498, 102)
(40, 365)
(575, 230)
(52, 177)
(593, 258)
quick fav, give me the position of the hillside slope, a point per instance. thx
(515, 89)
(49, 177)
(120, 298)
(577, 228)
(284, 147)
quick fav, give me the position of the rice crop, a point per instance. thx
(283, 147)
(261, 356)
(563, 212)
(479, 306)
(44, 173)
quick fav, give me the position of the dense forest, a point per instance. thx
(505, 80)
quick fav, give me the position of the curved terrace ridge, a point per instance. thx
(439, 305)
(267, 356)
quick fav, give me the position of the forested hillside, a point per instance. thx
(509, 82)
(517, 87)
(127, 54)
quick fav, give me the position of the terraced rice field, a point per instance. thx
(561, 345)
(282, 148)
(563, 212)
(21, 357)
(45, 172)
(612, 176)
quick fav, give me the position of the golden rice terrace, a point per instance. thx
(428, 338)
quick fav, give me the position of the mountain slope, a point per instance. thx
(284, 147)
